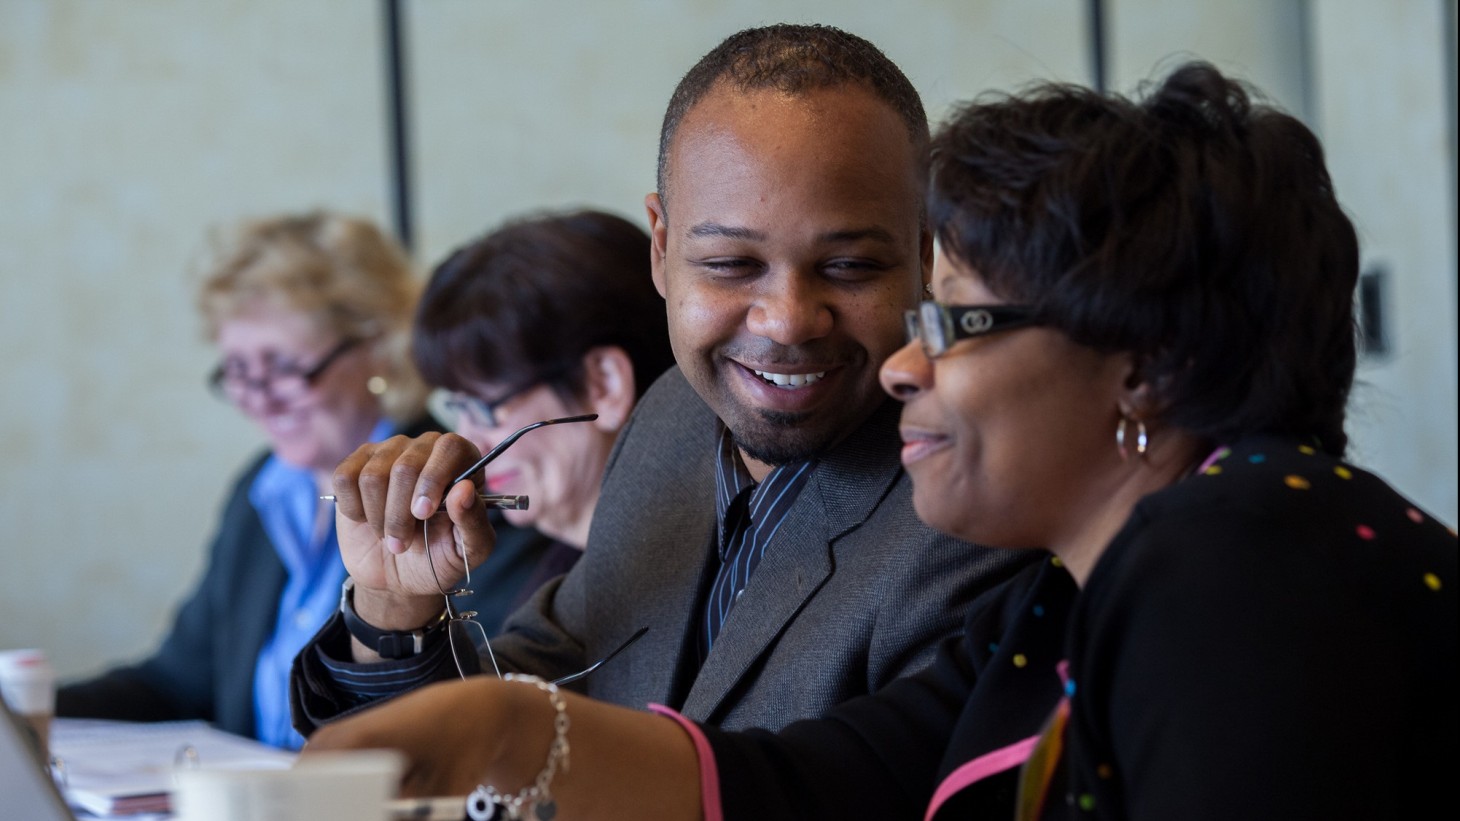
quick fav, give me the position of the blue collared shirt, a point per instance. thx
(287, 501)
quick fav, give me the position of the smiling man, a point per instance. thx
(754, 516)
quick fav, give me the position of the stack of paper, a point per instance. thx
(122, 768)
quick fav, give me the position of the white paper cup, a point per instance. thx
(346, 786)
(28, 685)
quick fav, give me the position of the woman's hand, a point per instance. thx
(621, 763)
(448, 732)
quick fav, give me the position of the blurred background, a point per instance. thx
(131, 129)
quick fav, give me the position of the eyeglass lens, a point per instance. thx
(463, 407)
(468, 644)
(465, 635)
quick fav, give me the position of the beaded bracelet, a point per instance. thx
(484, 801)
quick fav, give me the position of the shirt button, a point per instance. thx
(302, 620)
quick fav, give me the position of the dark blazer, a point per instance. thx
(853, 593)
(204, 668)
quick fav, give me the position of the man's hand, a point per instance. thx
(384, 491)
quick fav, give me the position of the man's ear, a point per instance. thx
(608, 385)
(658, 238)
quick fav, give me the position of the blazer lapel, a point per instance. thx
(846, 486)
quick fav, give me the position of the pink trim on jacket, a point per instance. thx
(980, 768)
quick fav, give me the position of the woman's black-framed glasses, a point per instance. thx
(283, 384)
(938, 326)
(453, 406)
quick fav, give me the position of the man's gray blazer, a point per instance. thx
(853, 592)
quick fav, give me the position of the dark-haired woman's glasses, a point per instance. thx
(938, 326)
(454, 407)
(284, 383)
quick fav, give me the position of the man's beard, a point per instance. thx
(777, 440)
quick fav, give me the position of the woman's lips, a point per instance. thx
(919, 444)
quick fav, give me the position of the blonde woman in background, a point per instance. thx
(311, 316)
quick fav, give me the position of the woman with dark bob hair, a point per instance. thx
(548, 315)
(1138, 359)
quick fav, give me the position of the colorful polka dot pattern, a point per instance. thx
(1364, 531)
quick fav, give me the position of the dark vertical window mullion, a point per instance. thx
(1095, 31)
(397, 114)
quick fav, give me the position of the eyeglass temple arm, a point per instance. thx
(638, 634)
(515, 435)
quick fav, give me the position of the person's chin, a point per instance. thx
(937, 510)
(304, 458)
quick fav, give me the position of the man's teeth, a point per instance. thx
(790, 380)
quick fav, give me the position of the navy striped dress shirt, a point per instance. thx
(750, 514)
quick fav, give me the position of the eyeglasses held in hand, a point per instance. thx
(938, 326)
(468, 639)
(466, 636)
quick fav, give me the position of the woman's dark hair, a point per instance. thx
(1195, 228)
(526, 301)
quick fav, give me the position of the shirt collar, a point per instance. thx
(732, 478)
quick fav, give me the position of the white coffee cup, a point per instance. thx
(344, 786)
(28, 685)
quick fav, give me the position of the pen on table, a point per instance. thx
(502, 501)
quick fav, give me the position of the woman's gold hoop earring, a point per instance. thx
(1143, 441)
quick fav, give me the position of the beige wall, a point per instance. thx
(1379, 79)
(129, 129)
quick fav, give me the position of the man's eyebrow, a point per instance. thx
(857, 234)
(715, 229)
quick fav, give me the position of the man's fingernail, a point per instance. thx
(394, 545)
(422, 507)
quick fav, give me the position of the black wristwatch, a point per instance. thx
(390, 644)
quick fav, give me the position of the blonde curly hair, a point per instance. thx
(343, 271)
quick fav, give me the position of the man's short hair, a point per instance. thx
(794, 59)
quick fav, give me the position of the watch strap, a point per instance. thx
(390, 644)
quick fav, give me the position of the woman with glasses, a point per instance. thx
(548, 315)
(1138, 359)
(311, 316)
